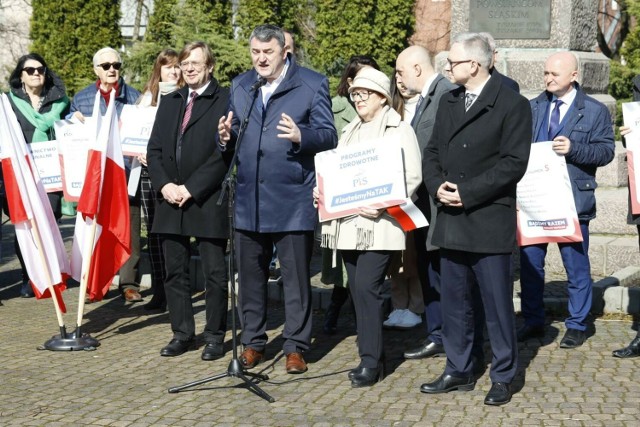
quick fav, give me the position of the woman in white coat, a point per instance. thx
(367, 240)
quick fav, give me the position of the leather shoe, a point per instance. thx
(177, 347)
(251, 357)
(131, 295)
(156, 303)
(425, 350)
(529, 331)
(212, 351)
(447, 383)
(295, 363)
(572, 338)
(366, 377)
(632, 350)
(354, 372)
(499, 394)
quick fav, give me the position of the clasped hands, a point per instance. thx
(175, 194)
(364, 211)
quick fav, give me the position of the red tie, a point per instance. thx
(187, 112)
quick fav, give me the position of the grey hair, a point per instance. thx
(266, 33)
(490, 40)
(98, 54)
(476, 46)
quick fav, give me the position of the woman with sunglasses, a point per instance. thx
(166, 77)
(107, 64)
(38, 98)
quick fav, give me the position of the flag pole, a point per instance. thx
(84, 279)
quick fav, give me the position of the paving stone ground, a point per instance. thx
(124, 382)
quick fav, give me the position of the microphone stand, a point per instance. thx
(235, 368)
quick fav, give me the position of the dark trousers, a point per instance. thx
(575, 258)
(149, 198)
(366, 271)
(253, 254)
(491, 274)
(429, 274)
(129, 277)
(178, 292)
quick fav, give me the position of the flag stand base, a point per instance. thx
(71, 342)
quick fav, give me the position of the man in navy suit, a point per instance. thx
(581, 130)
(473, 162)
(289, 123)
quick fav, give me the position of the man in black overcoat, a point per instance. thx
(188, 168)
(473, 162)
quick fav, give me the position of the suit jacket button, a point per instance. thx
(464, 145)
(171, 158)
(264, 129)
(445, 173)
(462, 175)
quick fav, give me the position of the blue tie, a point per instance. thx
(416, 115)
(554, 122)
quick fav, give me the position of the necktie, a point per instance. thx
(554, 122)
(187, 112)
(416, 114)
(468, 100)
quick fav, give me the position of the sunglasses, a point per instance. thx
(107, 65)
(31, 70)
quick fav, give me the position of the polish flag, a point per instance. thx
(36, 229)
(102, 241)
(408, 216)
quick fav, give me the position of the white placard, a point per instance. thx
(136, 123)
(47, 161)
(74, 142)
(364, 174)
(546, 209)
(631, 116)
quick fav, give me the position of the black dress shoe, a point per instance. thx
(572, 338)
(366, 377)
(156, 303)
(528, 331)
(447, 383)
(355, 371)
(632, 350)
(499, 394)
(177, 347)
(212, 351)
(425, 350)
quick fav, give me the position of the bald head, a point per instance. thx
(560, 73)
(414, 66)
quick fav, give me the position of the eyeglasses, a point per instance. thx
(107, 65)
(454, 63)
(185, 65)
(31, 70)
(360, 96)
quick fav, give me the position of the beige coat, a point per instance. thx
(386, 233)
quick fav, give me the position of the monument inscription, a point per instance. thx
(511, 19)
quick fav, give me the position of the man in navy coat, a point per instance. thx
(582, 132)
(477, 154)
(289, 123)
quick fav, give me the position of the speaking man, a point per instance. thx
(582, 131)
(187, 166)
(290, 122)
(473, 162)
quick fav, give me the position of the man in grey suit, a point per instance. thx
(415, 71)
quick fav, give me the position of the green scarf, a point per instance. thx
(42, 122)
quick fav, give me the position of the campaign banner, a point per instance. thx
(74, 140)
(546, 209)
(47, 163)
(136, 123)
(366, 174)
(631, 118)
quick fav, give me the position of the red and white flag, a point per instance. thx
(36, 229)
(408, 215)
(104, 200)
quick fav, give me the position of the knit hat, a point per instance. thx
(372, 79)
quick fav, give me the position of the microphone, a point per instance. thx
(258, 84)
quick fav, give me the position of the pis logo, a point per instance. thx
(359, 181)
